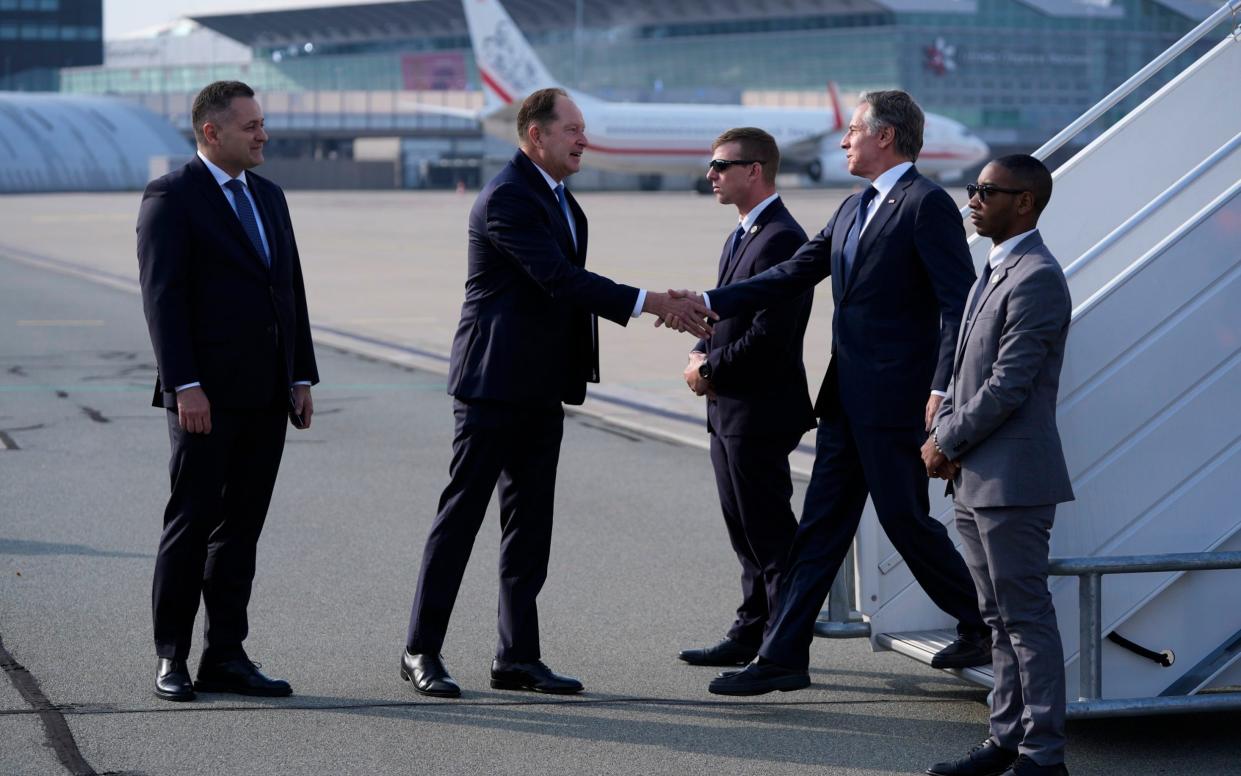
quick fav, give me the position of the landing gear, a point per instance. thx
(650, 182)
(815, 170)
(702, 186)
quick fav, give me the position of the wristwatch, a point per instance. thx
(704, 370)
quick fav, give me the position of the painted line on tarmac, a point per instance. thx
(80, 710)
(56, 733)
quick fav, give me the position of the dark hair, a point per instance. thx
(1032, 176)
(214, 99)
(539, 108)
(755, 144)
(896, 109)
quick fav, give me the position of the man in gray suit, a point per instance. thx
(995, 441)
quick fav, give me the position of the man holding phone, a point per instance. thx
(226, 308)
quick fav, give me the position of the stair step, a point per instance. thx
(922, 646)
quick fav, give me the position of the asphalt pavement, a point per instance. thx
(640, 569)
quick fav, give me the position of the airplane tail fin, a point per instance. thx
(838, 115)
(507, 64)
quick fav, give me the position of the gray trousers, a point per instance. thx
(1006, 549)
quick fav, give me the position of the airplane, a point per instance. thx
(656, 139)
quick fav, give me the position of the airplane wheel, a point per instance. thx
(815, 170)
(702, 186)
(650, 182)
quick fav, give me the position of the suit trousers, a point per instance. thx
(1007, 549)
(222, 484)
(850, 463)
(518, 447)
(752, 475)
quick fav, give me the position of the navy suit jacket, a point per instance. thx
(756, 358)
(217, 315)
(528, 332)
(896, 318)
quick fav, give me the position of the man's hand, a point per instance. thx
(303, 405)
(937, 464)
(696, 382)
(932, 408)
(194, 411)
(680, 311)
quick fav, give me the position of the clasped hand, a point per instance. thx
(700, 385)
(681, 311)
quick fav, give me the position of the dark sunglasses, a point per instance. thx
(720, 165)
(985, 190)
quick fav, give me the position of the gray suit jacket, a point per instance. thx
(999, 419)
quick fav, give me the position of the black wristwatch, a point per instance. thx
(704, 370)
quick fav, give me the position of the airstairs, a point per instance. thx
(1147, 222)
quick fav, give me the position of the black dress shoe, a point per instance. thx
(726, 653)
(759, 679)
(172, 680)
(239, 675)
(986, 759)
(966, 651)
(1024, 766)
(428, 675)
(531, 676)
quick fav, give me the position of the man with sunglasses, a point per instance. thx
(900, 272)
(758, 404)
(995, 441)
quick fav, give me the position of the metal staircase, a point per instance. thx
(1147, 220)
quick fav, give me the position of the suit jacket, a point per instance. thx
(217, 315)
(999, 419)
(528, 332)
(756, 358)
(896, 318)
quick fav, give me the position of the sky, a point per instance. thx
(121, 17)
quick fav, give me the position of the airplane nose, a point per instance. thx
(978, 149)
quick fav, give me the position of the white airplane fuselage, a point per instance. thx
(674, 139)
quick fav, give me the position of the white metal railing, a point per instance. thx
(1227, 12)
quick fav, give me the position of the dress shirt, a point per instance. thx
(552, 183)
(999, 253)
(884, 184)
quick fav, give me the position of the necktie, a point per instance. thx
(738, 236)
(568, 214)
(246, 214)
(980, 290)
(849, 254)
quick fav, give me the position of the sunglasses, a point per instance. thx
(720, 165)
(987, 189)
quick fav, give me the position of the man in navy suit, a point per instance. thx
(758, 404)
(526, 343)
(226, 308)
(900, 272)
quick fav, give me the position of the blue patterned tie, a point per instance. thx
(564, 208)
(738, 236)
(849, 254)
(246, 214)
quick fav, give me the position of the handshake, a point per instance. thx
(680, 311)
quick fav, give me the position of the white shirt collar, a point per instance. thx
(884, 183)
(756, 211)
(550, 180)
(1005, 249)
(220, 176)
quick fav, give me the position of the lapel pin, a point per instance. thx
(891, 202)
(995, 279)
(754, 229)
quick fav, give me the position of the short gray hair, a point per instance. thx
(896, 109)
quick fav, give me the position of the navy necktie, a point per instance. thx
(849, 254)
(980, 290)
(248, 220)
(568, 214)
(738, 236)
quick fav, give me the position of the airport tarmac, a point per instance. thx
(641, 566)
(385, 275)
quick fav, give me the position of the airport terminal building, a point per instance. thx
(1013, 71)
